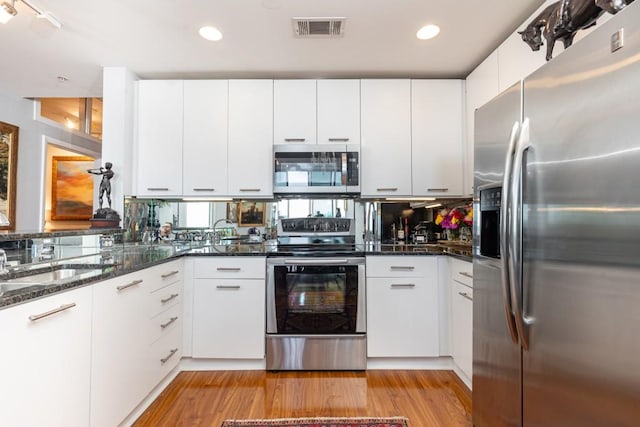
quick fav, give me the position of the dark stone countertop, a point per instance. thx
(128, 259)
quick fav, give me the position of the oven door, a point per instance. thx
(316, 296)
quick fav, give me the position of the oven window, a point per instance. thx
(317, 294)
(316, 299)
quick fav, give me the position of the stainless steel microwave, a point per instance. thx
(317, 169)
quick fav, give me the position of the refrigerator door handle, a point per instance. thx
(504, 232)
(515, 235)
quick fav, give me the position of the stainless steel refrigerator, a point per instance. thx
(556, 314)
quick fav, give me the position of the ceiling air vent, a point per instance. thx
(318, 27)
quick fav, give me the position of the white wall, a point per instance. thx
(31, 157)
(118, 115)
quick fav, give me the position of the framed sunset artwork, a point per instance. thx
(72, 188)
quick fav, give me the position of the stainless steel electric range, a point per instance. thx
(316, 318)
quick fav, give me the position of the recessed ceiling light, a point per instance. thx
(428, 32)
(210, 33)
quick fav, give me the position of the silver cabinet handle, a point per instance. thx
(403, 285)
(402, 267)
(338, 139)
(204, 189)
(295, 139)
(157, 189)
(387, 189)
(128, 285)
(169, 274)
(462, 283)
(171, 353)
(250, 189)
(63, 307)
(465, 295)
(228, 287)
(440, 190)
(465, 274)
(173, 319)
(505, 213)
(166, 300)
(228, 268)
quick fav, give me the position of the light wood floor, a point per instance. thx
(427, 398)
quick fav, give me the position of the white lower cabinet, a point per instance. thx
(137, 339)
(402, 306)
(229, 308)
(119, 347)
(46, 361)
(462, 315)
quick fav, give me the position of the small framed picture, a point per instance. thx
(251, 214)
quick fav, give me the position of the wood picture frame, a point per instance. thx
(72, 188)
(251, 214)
(8, 175)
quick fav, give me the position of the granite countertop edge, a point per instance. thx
(44, 290)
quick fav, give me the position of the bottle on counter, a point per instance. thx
(401, 232)
(406, 230)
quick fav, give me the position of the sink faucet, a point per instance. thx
(216, 235)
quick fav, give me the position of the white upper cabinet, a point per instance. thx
(436, 133)
(159, 138)
(294, 111)
(386, 137)
(338, 111)
(250, 148)
(204, 170)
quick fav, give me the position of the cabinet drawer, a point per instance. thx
(398, 266)
(164, 355)
(462, 272)
(164, 275)
(165, 323)
(231, 267)
(165, 298)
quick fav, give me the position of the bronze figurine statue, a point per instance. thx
(105, 184)
(560, 21)
(104, 217)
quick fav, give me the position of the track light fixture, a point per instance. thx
(8, 11)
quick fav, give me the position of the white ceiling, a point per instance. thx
(159, 39)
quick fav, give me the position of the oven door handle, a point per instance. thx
(316, 261)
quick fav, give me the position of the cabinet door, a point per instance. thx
(119, 348)
(250, 149)
(229, 318)
(338, 111)
(462, 326)
(386, 137)
(47, 362)
(402, 315)
(205, 138)
(294, 111)
(436, 135)
(159, 141)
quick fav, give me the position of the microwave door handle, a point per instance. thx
(344, 167)
(515, 235)
(504, 232)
